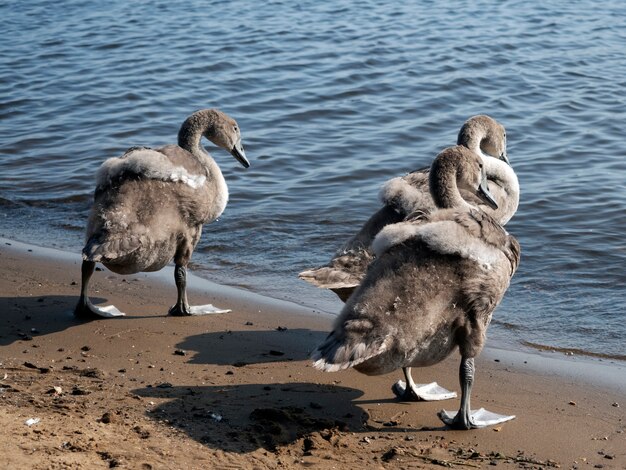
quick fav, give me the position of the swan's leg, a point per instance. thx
(84, 308)
(463, 419)
(410, 391)
(466, 418)
(182, 307)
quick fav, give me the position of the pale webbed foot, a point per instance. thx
(477, 419)
(207, 309)
(85, 309)
(182, 307)
(421, 392)
(195, 310)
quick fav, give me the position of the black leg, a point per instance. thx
(84, 307)
(466, 418)
(463, 419)
(181, 308)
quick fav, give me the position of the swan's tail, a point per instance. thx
(345, 347)
(111, 249)
(329, 277)
(346, 270)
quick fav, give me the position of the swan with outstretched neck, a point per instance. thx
(150, 205)
(432, 288)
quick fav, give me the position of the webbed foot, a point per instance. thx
(196, 310)
(421, 392)
(86, 310)
(477, 419)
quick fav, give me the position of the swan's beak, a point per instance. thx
(240, 155)
(484, 194)
(505, 159)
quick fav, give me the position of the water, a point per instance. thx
(333, 99)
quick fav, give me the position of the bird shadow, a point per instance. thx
(24, 318)
(246, 417)
(243, 347)
(243, 418)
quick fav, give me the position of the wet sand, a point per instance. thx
(236, 390)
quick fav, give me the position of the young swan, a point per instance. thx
(150, 205)
(408, 194)
(433, 287)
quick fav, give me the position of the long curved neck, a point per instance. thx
(502, 175)
(442, 181)
(199, 124)
(195, 126)
(472, 139)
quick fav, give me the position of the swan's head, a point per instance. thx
(485, 136)
(455, 169)
(225, 133)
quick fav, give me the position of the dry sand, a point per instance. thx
(236, 390)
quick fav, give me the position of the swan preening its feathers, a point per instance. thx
(150, 205)
(432, 286)
(408, 194)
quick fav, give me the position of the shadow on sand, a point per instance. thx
(24, 318)
(240, 348)
(244, 418)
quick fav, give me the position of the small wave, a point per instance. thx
(574, 351)
(55, 202)
(70, 227)
(507, 325)
(7, 203)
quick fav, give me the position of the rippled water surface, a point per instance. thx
(333, 99)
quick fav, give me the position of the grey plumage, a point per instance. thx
(150, 204)
(433, 286)
(403, 196)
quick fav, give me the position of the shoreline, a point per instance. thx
(589, 367)
(238, 390)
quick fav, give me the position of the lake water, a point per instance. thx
(333, 99)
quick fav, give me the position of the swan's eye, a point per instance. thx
(235, 128)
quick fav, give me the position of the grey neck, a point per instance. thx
(195, 126)
(473, 143)
(443, 185)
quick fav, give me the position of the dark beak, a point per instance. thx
(240, 155)
(505, 159)
(484, 194)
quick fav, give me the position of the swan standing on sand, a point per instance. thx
(405, 195)
(410, 194)
(150, 205)
(433, 287)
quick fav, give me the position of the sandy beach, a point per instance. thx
(148, 391)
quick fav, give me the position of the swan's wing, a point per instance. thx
(170, 164)
(363, 239)
(348, 266)
(179, 157)
(343, 271)
(105, 247)
(409, 193)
